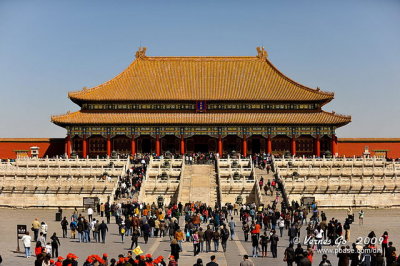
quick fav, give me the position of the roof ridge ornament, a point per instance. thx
(261, 53)
(141, 53)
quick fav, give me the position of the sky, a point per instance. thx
(48, 48)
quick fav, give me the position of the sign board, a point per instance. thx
(307, 200)
(90, 202)
(21, 229)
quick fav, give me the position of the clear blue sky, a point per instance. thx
(48, 48)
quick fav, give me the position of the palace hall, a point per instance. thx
(201, 104)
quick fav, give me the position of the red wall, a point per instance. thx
(50, 147)
(350, 147)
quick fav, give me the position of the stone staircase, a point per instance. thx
(266, 199)
(199, 184)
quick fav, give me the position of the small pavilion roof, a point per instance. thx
(232, 78)
(92, 118)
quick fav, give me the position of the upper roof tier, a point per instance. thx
(201, 78)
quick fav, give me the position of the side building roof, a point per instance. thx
(239, 78)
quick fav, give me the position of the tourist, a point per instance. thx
(354, 255)
(102, 209)
(172, 261)
(135, 237)
(254, 243)
(325, 261)
(208, 235)
(232, 226)
(224, 237)
(64, 226)
(201, 239)
(319, 235)
(361, 217)
(390, 254)
(121, 230)
(385, 240)
(55, 243)
(196, 243)
(199, 262)
(175, 249)
(212, 262)
(264, 242)
(246, 231)
(289, 255)
(35, 228)
(26, 240)
(43, 229)
(343, 256)
(216, 237)
(103, 231)
(274, 244)
(246, 261)
(42, 240)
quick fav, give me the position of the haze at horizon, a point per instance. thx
(48, 48)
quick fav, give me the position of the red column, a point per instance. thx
(293, 151)
(68, 146)
(244, 148)
(182, 146)
(133, 145)
(84, 147)
(317, 146)
(334, 145)
(158, 145)
(108, 145)
(269, 145)
(220, 146)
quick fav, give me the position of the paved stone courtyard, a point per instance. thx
(376, 220)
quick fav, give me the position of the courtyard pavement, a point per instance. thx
(375, 220)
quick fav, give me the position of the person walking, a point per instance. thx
(196, 243)
(274, 244)
(90, 214)
(289, 255)
(175, 249)
(232, 226)
(264, 242)
(135, 237)
(224, 237)
(254, 244)
(246, 261)
(64, 227)
(208, 235)
(35, 229)
(246, 230)
(216, 237)
(212, 262)
(43, 229)
(26, 240)
(55, 243)
(361, 215)
(325, 261)
(103, 228)
(201, 239)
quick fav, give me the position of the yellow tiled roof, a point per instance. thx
(201, 78)
(200, 118)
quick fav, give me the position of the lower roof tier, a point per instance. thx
(95, 118)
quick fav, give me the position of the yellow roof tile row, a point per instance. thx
(201, 78)
(200, 118)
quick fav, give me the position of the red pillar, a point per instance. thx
(68, 146)
(84, 147)
(133, 145)
(182, 146)
(269, 145)
(244, 148)
(293, 151)
(334, 145)
(220, 145)
(317, 146)
(108, 145)
(158, 145)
